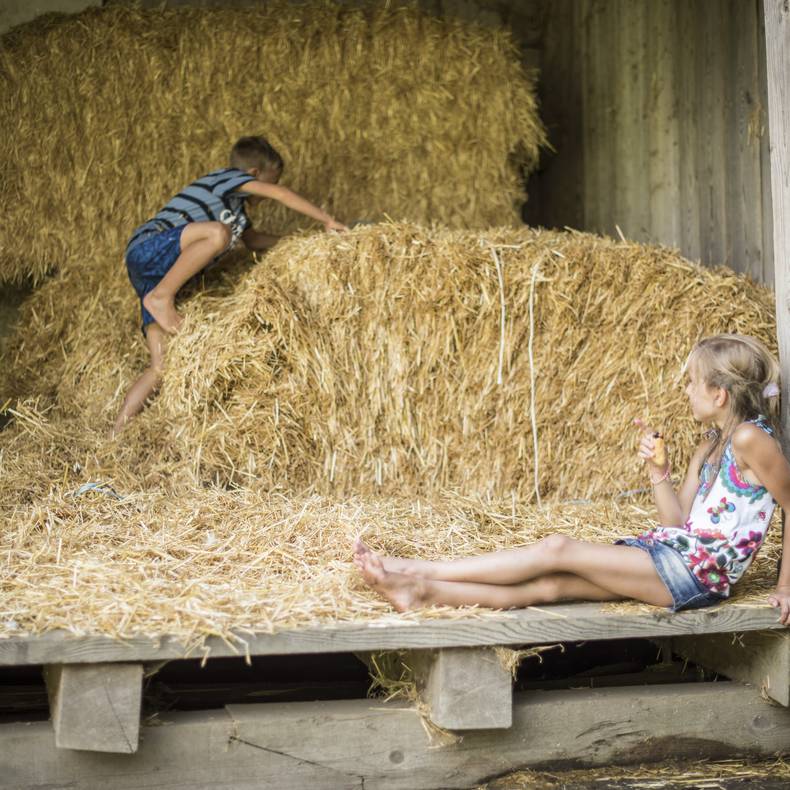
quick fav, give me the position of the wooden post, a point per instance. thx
(776, 19)
(465, 688)
(95, 707)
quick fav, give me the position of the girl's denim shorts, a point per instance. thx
(686, 590)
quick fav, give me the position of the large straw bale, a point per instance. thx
(370, 362)
(377, 110)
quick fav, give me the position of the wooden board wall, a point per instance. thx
(657, 114)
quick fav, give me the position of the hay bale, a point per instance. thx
(377, 110)
(370, 362)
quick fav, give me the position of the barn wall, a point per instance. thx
(657, 116)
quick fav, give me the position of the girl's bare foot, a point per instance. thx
(163, 310)
(392, 564)
(403, 592)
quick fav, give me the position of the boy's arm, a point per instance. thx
(293, 201)
(256, 241)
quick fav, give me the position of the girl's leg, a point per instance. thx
(406, 592)
(147, 384)
(201, 242)
(625, 571)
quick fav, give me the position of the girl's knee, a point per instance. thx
(556, 545)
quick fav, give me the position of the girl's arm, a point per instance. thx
(673, 508)
(759, 454)
(293, 201)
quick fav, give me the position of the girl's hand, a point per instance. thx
(780, 599)
(334, 225)
(647, 447)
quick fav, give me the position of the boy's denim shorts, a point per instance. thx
(686, 590)
(149, 260)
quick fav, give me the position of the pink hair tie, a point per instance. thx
(771, 390)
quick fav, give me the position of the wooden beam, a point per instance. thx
(776, 25)
(762, 659)
(464, 688)
(547, 625)
(95, 707)
(366, 743)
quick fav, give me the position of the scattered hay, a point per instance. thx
(214, 562)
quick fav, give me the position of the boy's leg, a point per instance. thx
(626, 571)
(201, 242)
(148, 382)
(412, 592)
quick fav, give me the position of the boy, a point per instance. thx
(200, 224)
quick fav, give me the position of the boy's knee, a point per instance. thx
(219, 234)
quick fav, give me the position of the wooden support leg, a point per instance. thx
(761, 658)
(95, 707)
(465, 688)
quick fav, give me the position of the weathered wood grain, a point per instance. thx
(95, 707)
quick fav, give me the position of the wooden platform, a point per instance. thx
(533, 626)
(95, 683)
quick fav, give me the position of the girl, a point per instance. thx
(709, 533)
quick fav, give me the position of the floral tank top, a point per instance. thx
(726, 526)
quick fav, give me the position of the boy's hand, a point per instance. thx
(647, 446)
(780, 599)
(334, 225)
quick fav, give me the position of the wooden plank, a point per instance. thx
(366, 743)
(777, 58)
(688, 117)
(743, 224)
(765, 156)
(628, 163)
(547, 625)
(95, 707)
(761, 659)
(710, 69)
(663, 125)
(464, 688)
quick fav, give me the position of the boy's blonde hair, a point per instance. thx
(749, 373)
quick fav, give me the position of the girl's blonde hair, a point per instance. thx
(749, 373)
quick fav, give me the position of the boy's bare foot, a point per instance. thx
(163, 310)
(403, 592)
(391, 564)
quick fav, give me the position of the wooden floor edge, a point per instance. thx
(546, 625)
